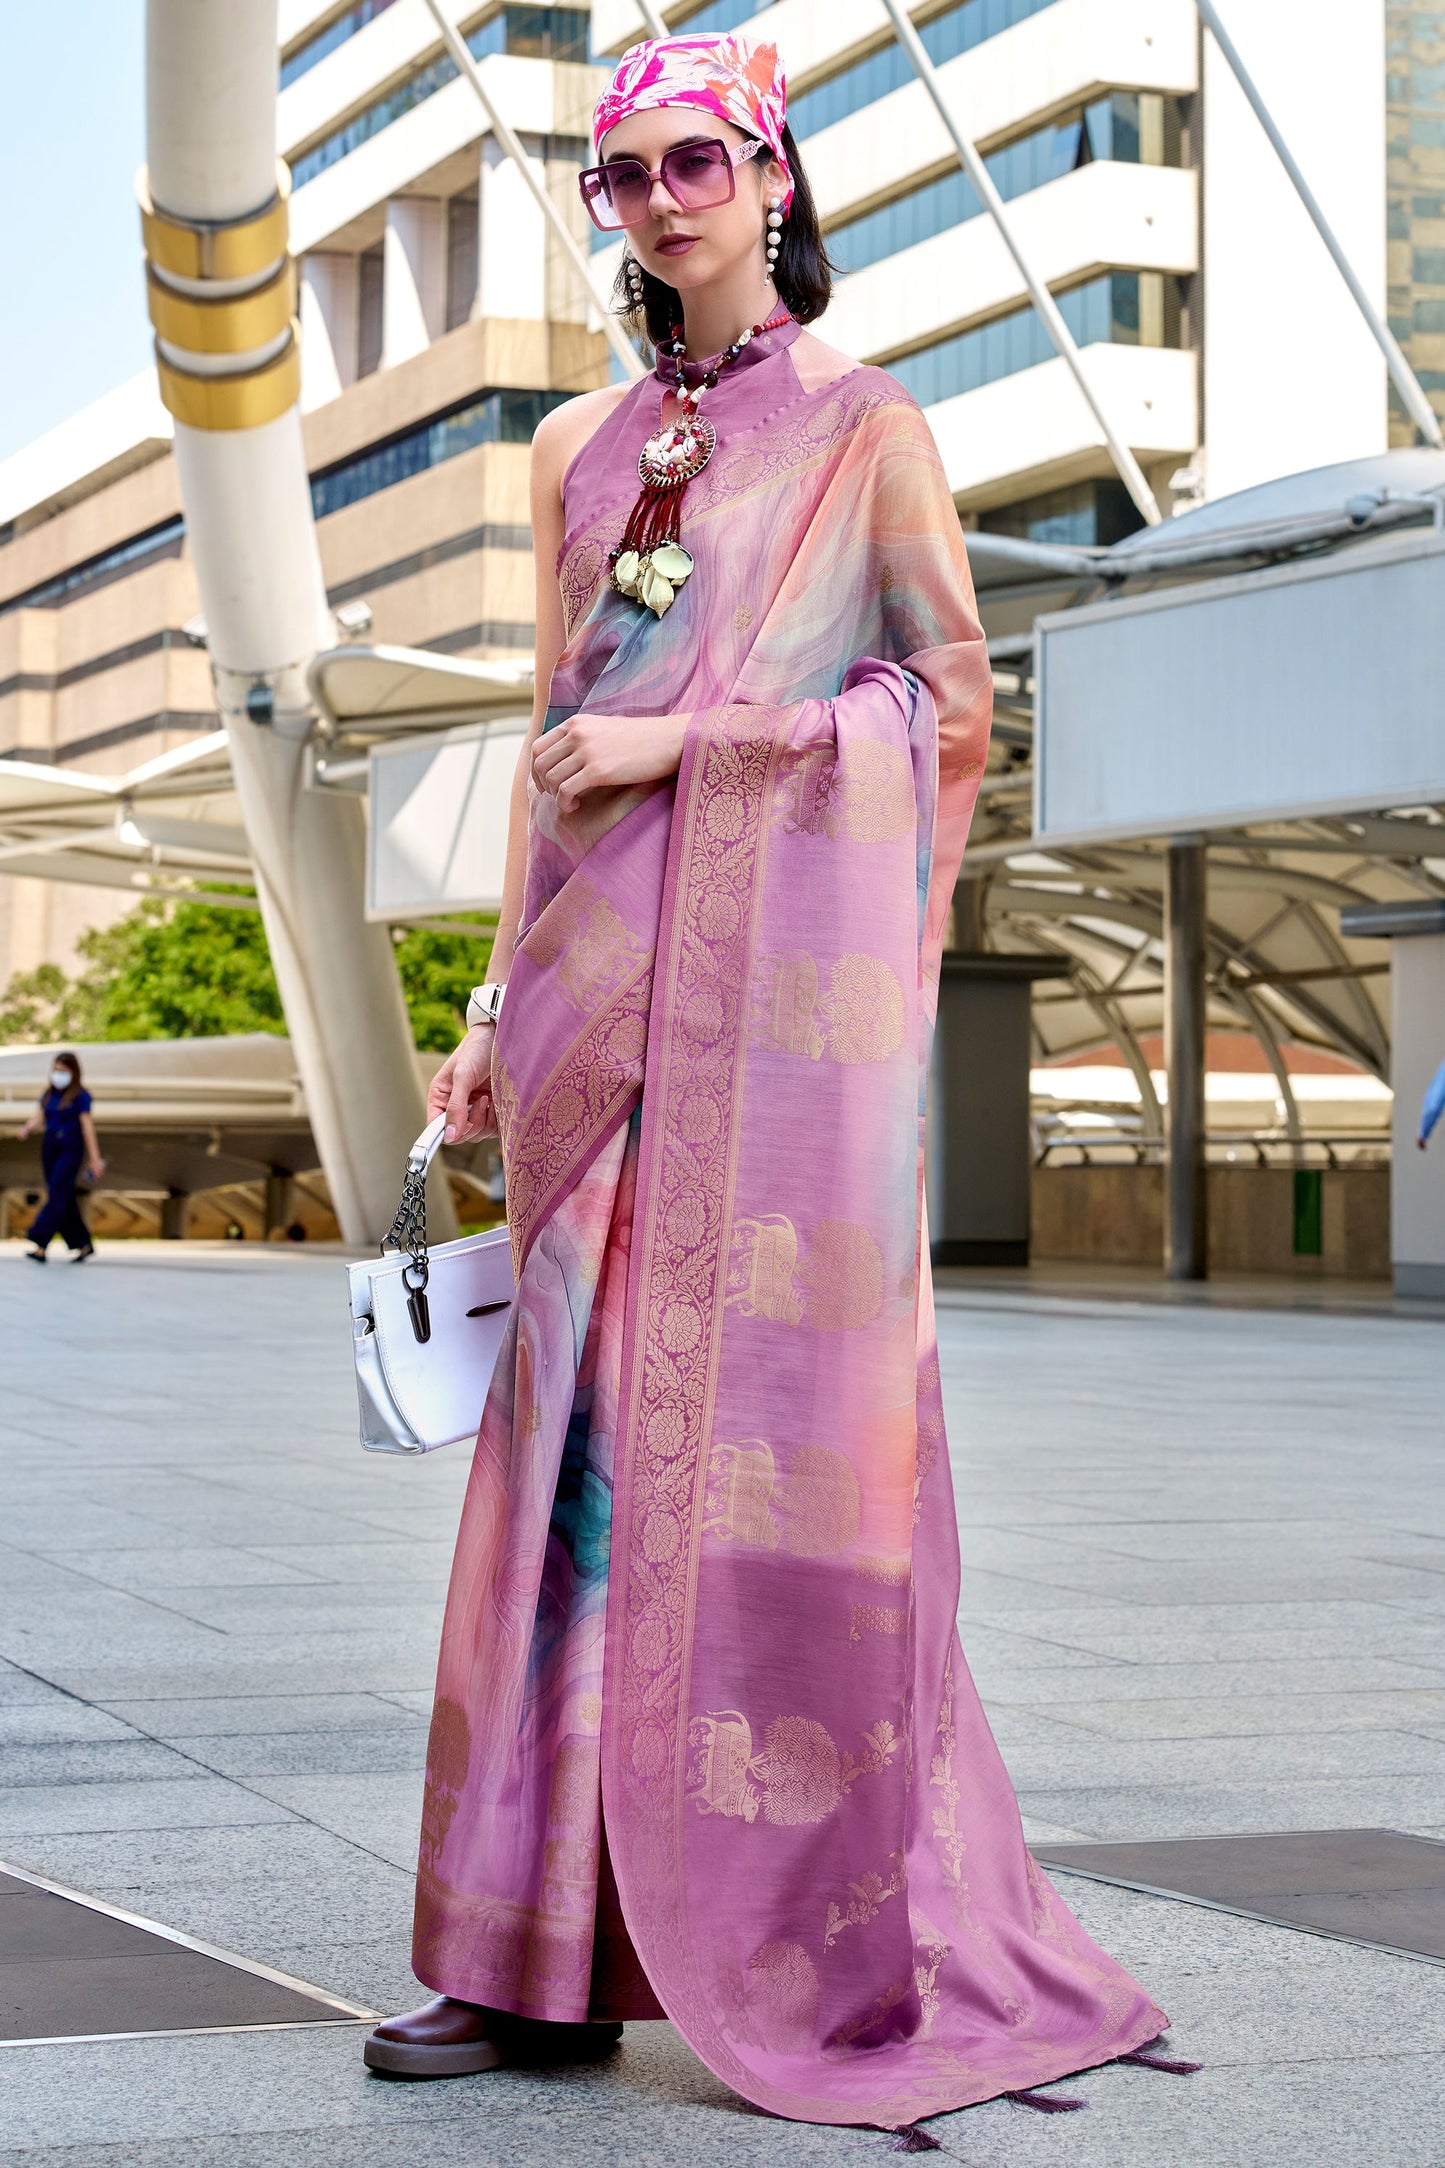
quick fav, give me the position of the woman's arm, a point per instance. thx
(462, 1085)
(92, 1146)
(34, 1121)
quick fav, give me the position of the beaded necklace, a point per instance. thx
(649, 564)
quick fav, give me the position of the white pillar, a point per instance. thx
(414, 277)
(1417, 1179)
(511, 237)
(330, 303)
(211, 132)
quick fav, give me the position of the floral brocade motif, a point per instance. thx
(543, 1141)
(678, 1292)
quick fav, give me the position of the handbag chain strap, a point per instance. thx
(408, 1232)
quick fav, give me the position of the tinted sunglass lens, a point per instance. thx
(697, 174)
(628, 187)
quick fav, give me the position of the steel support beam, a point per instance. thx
(1131, 474)
(461, 53)
(1402, 376)
(1186, 935)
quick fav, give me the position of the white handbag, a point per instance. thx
(427, 1325)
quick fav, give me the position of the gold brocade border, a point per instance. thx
(679, 1310)
(574, 1109)
(696, 1066)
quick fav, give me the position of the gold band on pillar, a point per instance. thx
(232, 248)
(242, 401)
(236, 325)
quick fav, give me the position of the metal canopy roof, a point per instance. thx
(374, 692)
(1280, 967)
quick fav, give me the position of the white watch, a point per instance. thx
(484, 1003)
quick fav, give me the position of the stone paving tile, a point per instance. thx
(1119, 1681)
(315, 1607)
(1051, 1757)
(86, 1761)
(1223, 1809)
(307, 1664)
(194, 1802)
(46, 1718)
(371, 1561)
(1267, 1716)
(1147, 1575)
(196, 1566)
(171, 1717)
(372, 1751)
(382, 1812)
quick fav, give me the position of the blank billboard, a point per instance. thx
(439, 807)
(1307, 689)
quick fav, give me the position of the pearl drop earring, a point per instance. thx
(634, 281)
(775, 223)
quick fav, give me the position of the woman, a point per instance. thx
(70, 1142)
(704, 1742)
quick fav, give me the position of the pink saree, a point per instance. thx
(704, 1732)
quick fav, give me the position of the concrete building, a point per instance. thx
(1152, 206)
(440, 316)
(440, 321)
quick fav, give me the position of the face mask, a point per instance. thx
(60, 1079)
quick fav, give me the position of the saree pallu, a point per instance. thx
(704, 1729)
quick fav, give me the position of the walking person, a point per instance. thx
(68, 1147)
(704, 1741)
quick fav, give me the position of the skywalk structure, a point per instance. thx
(1132, 256)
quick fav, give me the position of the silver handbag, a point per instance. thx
(427, 1325)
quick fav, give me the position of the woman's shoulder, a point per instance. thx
(560, 435)
(861, 385)
(82, 1101)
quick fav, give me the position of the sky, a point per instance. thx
(73, 323)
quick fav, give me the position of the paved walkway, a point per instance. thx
(1204, 1591)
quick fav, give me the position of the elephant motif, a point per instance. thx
(740, 1484)
(835, 1286)
(760, 1274)
(797, 1778)
(721, 1764)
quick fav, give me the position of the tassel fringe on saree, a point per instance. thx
(704, 1731)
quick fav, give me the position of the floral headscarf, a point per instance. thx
(738, 78)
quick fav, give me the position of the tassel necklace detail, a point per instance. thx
(649, 564)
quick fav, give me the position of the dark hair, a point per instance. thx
(72, 1063)
(803, 273)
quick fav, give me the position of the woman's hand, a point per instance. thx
(593, 752)
(462, 1089)
(97, 1168)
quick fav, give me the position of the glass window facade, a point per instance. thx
(97, 571)
(497, 417)
(1110, 128)
(956, 31)
(326, 41)
(1091, 513)
(719, 15)
(535, 33)
(1415, 197)
(1123, 308)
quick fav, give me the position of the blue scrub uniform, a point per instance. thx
(62, 1155)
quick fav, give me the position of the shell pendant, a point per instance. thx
(651, 564)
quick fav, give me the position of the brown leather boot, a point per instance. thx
(449, 2039)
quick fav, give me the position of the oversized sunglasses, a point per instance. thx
(696, 176)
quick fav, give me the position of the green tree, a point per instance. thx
(197, 970)
(438, 971)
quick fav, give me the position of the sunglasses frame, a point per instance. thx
(597, 174)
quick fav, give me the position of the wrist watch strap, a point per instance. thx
(484, 1003)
